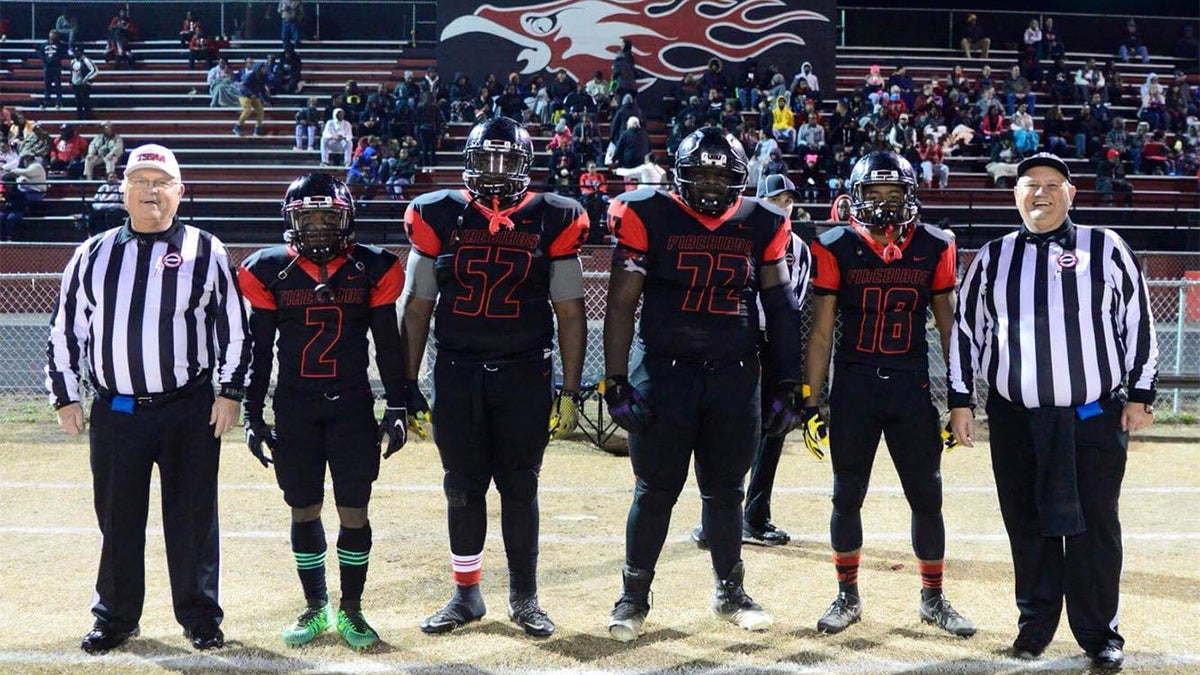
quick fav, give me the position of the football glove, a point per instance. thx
(394, 427)
(816, 432)
(258, 433)
(786, 407)
(419, 419)
(626, 405)
(564, 414)
(949, 442)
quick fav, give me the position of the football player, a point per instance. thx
(497, 265)
(881, 272)
(757, 528)
(697, 259)
(320, 294)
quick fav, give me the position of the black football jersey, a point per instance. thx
(883, 305)
(494, 287)
(701, 271)
(322, 333)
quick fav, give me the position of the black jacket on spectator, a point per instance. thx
(632, 147)
(629, 108)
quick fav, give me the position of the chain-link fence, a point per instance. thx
(27, 299)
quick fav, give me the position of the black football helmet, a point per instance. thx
(497, 159)
(710, 170)
(319, 239)
(890, 169)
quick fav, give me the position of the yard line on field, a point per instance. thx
(591, 489)
(236, 662)
(551, 538)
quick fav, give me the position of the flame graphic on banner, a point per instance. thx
(582, 36)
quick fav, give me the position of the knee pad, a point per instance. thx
(848, 493)
(521, 484)
(461, 488)
(923, 491)
(654, 499)
(723, 499)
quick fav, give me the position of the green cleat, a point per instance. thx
(311, 623)
(354, 628)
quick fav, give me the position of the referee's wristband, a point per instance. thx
(232, 393)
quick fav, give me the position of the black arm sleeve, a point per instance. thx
(389, 354)
(262, 357)
(783, 331)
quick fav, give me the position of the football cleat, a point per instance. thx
(938, 610)
(698, 537)
(766, 535)
(526, 613)
(730, 603)
(466, 606)
(845, 610)
(630, 610)
(353, 627)
(312, 622)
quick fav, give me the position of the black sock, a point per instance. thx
(308, 546)
(519, 524)
(354, 548)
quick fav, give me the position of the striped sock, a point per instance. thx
(308, 547)
(847, 571)
(931, 577)
(354, 551)
(467, 568)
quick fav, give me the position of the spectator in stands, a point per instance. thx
(1052, 45)
(1131, 43)
(837, 171)
(1110, 179)
(561, 143)
(364, 173)
(407, 90)
(558, 90)
(291, 13)
(1088, 133)
(810, 138)
(373, 121)
(1025, 137)
(587, 145)
(1055, 128)
(629, 108)
(67, 152)
(783, 123)
(52, 53)
(680, 132)
(222, 90)
(987, 102)
(1062, 88)
(992, 128)
(809, 180)
(973, 38)
(902, 134)
(1033, 40)
(188, 30)
(1004, 160)
(83, 71)
(1100, 111)
(985, 81)
(578, 103)
(36, 144)
(873, 85)
(67, 26)
(597, 88)
(308, 120)
(430, 123)
(900, 81)
(481, 107)
(252, 92)
(401, 170)
(200, 49)
(1186, 89)
(593, 192)
(1153, 103)
(774, 164)
(122, 32)
(713, 78)
(1137, 141)
(106, 210)
(1176, 108)
(511, 102)
(354, 100)
(1117, 139)
(1186, 47)
(624, 71)
(107, 147)
(337, 136)
(1089, 80)
(747, 85)
(632, 146)
(1018, 89)
(23, 186)
(461, 92)
(958, 79)
(290, 73)
(806, 74)
(646, 173)
(933, 166)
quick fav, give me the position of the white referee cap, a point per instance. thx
(153, 156)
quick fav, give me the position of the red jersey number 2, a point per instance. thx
(315, 360)
(717, 281)
(887, 320)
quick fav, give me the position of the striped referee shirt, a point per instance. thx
(148, 313)
(1056, 319)
(799, 262)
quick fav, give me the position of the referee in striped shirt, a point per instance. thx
(152, 311)
(1056, 319)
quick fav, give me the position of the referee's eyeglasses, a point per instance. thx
(1033, 186)
(143, 184)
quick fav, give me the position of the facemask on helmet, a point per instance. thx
(319, 212)
(497, 159)
(710, 170)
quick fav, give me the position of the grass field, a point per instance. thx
(50, 552)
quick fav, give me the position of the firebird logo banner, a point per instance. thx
(670, 38)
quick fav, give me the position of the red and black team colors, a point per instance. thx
(496, 265)
(880, 273)
(319, 295)
(697, 260)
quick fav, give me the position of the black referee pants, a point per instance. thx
(766, 457)
(1086, 568)
(124, 449)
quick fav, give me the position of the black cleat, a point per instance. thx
(1028, 649)
(765, 535)
(205, 636)
(102, 638)
(1109, 659)
(937, 610)
(526, 613)
(466, 606)
(630, 610)
(698, 537)
(845, 610)
(730, 602)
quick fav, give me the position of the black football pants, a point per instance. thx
(707, 408)
(1086, 568)
(864, 403)
(316, 429)
(492, 422)
(124, 450)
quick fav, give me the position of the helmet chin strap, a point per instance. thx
(497, 219)
(891, 252)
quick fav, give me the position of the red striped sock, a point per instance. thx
(931, 573)
(467, 568)
(846, 565)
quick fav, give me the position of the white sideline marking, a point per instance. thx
(588, 489)
(212, 662)
(545, 538)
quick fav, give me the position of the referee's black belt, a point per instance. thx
(204, 379)
(878, 371)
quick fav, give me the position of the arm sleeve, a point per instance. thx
(389, 353)
(422, 236)
(566, 279)
(263, 322)
(68, 333)
(946, 274)
(421, 280)
(968, 333)
(1135, 326)
(232, 336)
(826, 277)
